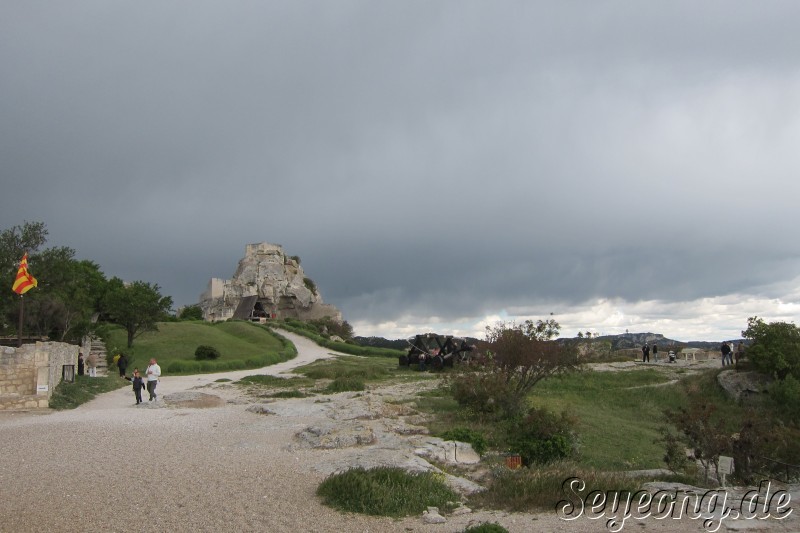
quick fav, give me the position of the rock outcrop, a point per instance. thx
(267, 284)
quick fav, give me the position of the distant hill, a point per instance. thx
(636, 340)
(622, 341)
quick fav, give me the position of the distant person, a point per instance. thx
(81, 363)
(122, 364)
(725, 350)
(153, 373)
(91, 364)
(655, 352)
(645, 353)
(138, 385)
(739, 351)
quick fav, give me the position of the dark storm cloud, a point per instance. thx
(429, 158)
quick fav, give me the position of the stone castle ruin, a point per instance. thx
(267, 284)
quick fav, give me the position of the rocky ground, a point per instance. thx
(208, 456)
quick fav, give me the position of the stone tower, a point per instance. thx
(267, 284)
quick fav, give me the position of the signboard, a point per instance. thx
(725, 465)
(42, 388)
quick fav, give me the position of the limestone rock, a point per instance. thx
(743, 385)
(432, 516)
(449, 452)
(267, 284)
(260, 410)
(332, 436)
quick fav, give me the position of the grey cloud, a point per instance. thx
(435, 158)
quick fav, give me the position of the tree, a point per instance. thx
(520, 356)
(69, 293)
(702, 429)
(17, 240)
(191, 312)
(136, 306)
(14, 242)
(525, 355)
(775, 349)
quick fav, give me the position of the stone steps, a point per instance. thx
(97, 347)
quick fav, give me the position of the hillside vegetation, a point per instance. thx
(241, 345)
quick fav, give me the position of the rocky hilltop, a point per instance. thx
(267, 284)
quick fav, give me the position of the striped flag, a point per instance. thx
(24, 281)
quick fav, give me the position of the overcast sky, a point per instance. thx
(437, 165)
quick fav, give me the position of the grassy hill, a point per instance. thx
(241, 345)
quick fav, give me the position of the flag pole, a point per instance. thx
(19, 330)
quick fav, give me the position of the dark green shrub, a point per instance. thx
(786, 396)
(775, 349)
(385, 492)
(191, 312)
(484, 392)
(471, 436)
(345, 384)
(486, 528)
(203, 353)
(541, 437)
(289, 394)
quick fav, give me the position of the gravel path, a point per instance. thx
(112, 466)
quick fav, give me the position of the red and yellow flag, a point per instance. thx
(24, 281)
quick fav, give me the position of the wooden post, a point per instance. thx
(19, 329)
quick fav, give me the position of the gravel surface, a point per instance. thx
(112, 466)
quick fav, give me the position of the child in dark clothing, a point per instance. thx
(138, 385)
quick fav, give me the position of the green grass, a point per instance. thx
(241, 345)
(294, 393)
(275, 382)
(542, 488)
(385, 492)
(71, 395)
(351, 367)
(619, 414)
(345, 384)
(372, 369)
(310, 332)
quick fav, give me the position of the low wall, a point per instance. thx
(30, 373)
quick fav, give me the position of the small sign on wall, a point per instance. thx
(42, 388)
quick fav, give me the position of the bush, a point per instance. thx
(203, 353)
(527, 489)
(542, 437)
(191, 312)
(470, 436)
(486, 528)
(345, 384)
(776, 347)
(484, 392)
(786, 396)
(385, 492)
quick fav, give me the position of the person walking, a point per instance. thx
(725, 349)
(645, 353)
(153, 373)
(122, 364)
(81, 363)
(739, 352)
(138, 385)
(91, 364)
(655, 352)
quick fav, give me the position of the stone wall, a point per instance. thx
(30, 373)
